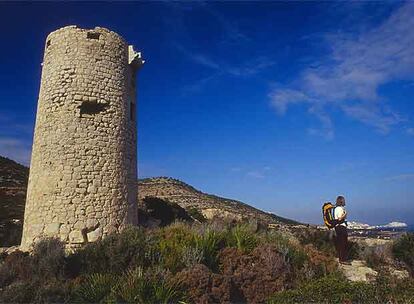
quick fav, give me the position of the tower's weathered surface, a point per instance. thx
(82, 183)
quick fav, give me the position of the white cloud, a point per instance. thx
(350, 76)
(16, 150)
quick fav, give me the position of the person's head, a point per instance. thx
(340, 201)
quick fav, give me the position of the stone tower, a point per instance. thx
(83, 173)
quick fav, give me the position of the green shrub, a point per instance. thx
(95, 288)
(137, 287)
(403, 250)
(209, 244)
(330, 289)
(334, 288)
(133, 287)
(293, 254)
(173, 244)
(243, 237)
(191, 256)
(196, 214)
(117, 252)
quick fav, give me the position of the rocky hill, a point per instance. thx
(13, 184)
(210, 206)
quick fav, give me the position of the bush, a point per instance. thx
(134, 286)
(209, 244)
(94, 288)
(354, 250)
(375, 256)
(317, 265)
(17, 266)
(403, 250)
(256, 275)
(117, 252)
(204, 286)
(19, 292)
(330, 289)
(173, 244)
(165, 211)
(293, 254)
(243, 237)
(196, 214)
(137, 287)
(49, 258)
(334, 288)
(320, 239)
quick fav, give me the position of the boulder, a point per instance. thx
(358, 272)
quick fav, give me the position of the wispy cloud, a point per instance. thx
(219, 68)
(228, 33)
(255, 174)
(349, 78)
(401, 177)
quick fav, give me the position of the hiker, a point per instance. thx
(341, 239)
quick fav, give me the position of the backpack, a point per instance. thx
(328, 210)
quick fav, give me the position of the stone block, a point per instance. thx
(94, 235)
(52, 229)
(76, 237)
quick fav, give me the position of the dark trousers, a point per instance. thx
(341, 242)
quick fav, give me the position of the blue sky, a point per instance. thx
(283, 105)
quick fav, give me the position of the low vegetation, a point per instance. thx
(196, 262)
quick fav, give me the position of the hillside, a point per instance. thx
(188, 197)
(13, 184)
(12, 174)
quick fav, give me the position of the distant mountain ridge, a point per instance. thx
(188, 197)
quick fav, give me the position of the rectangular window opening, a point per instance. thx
(92, 108)
(93, 35)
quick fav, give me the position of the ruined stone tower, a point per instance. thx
(83, 172)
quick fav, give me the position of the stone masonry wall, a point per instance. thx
(82, 183)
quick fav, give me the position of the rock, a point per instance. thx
(211, 213)
(358, 272)
(95, 235)
(76, 237)
(400, 274)
(9, 250)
